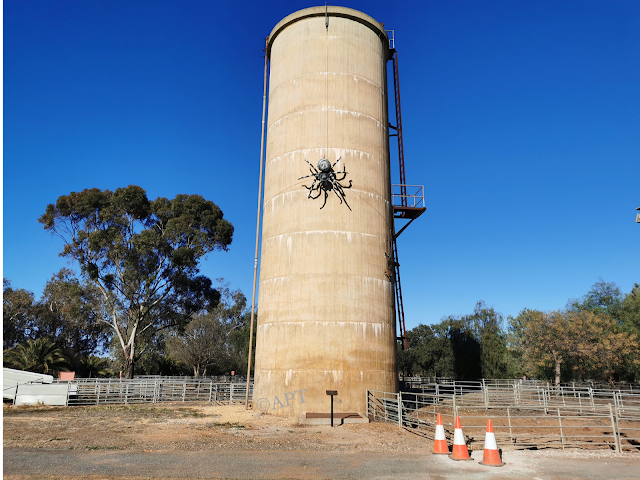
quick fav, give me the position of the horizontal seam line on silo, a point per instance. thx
(306, 232)
(316, 274)
(307, 322)
(305, 192)
(321, 149)
(365, 79)
(323, 108)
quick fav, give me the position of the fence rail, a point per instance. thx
(155, 390)
(617, 386)
(507, 393)
(521, 426)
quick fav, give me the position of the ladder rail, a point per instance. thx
(399, 303)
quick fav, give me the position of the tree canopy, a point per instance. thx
(17, 313)
(141, 255)
(595, 337)
(205, 345)
(38, 356)
(70, 312)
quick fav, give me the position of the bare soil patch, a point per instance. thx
(191, 427)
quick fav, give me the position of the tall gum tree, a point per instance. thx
(142, 255)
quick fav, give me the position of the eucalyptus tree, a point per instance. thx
(71, 313)
(143, 256)
(17, 314)
(208, 342)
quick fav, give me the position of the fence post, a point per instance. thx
(580, 401)
(384, 402)
(509, 420)
(437, 393)
(561, 433)
(591, 395)
(617, 418)
(400, 409)
(544, 401)
(455, 410)
(210, 390)
(126, 393)
(366, 401)
(485, 393)
(98, 394)
(616, 437)
(231, 393)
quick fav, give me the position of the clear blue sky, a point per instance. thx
(521, 119)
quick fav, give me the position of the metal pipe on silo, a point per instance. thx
(326, 302)
(255, 261)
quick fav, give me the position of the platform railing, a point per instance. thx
(413, 195)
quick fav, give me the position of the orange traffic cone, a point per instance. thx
(440, 444)
(491, 453)
(459, 450)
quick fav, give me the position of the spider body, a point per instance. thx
(325, 179)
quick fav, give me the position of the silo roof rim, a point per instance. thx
(333, 11)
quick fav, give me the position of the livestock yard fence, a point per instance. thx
(530, 392)
(101, 391)
(524, 415)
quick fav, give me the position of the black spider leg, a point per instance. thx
(335, 163)
(313, 198)
(314, 171)
(312, 188)
(343, 173)
(336, 186)
(325, 198)
(340, 193)
(307, 176)
(345, 186)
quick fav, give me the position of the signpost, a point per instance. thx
(332, 393)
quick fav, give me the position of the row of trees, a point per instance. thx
(594, 337)
(140, 295)
(60, 332)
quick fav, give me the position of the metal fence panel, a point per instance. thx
(544, 419)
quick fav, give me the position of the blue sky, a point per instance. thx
(521, 119)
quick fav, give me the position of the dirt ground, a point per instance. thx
(190, 427)
(207, 441)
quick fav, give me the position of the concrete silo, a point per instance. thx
(326, 304)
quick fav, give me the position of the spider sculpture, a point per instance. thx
(326, 179)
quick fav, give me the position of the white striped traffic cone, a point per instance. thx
(459, 450)
(440, 445)
(491, 453)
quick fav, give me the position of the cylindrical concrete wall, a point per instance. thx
(326, 308)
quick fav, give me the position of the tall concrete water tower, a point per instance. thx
(326, 301)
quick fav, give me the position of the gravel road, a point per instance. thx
(62, 465)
